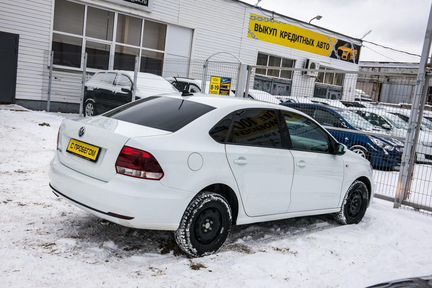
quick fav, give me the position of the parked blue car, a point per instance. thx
(383, 153)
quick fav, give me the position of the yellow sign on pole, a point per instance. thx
(220, 85)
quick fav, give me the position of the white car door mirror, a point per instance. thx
(340, 149)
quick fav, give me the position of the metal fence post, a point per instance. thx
(409, 154)
(135, 80)
(249, 74)
(241, 81)
(83, 81)
(50, 75)
(204, 77)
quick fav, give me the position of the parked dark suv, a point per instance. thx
(110, 89)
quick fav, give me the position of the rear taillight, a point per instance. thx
(58, 141)
(138, 163)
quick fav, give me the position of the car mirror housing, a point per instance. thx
(340, 149)
(386, 126)
(127, 90)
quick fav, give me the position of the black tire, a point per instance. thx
(354, 204)
(205, 225)
(90, 106)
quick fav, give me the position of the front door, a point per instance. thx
(318, 173)
(261, 166)
(106, 98)
(8, 66)
(123, 90)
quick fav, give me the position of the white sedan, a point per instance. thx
(201, 164)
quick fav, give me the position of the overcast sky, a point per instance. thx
(397, 23)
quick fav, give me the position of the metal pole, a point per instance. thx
(241, 81)
(134, 85)
(50, 75)
(249, 72)
(204, 77)
(83, 81)
(409, 154)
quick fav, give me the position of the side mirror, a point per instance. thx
(386, 126)
(186, 92)
(340, 149)
(126, 90)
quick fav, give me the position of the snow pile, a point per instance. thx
(48, 243)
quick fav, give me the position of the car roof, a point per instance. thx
(236, 102)
(316, 105)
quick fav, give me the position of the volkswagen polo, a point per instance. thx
(199, 165)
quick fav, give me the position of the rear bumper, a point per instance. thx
(424, 154)
(127, 201)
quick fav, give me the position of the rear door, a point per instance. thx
(318, 173)
(262, 166)
(123, 90)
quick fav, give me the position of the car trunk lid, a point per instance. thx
(107, 134)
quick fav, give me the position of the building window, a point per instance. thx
(128, 30)
(154, 35)
(152, 62)
(274, 61)
(124, 58)
(130, 38)
(329, 77)
(69, 17)
(100, 24)
(97, 55)
(67, 50)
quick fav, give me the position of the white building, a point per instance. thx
(172, 37)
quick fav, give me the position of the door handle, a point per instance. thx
(240, 161)
(301, 164)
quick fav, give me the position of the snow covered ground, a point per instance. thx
(46, 242)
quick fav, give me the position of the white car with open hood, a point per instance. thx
(201, 164)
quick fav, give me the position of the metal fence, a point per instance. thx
(369, 112)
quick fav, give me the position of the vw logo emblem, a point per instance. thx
(81, 131)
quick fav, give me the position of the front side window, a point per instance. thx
(123, 81)
(108, 78)
(306, 135)
(256, 127)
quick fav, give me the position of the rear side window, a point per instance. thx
(256, 127)
(220, 131)
(326, 118)
(164, 113)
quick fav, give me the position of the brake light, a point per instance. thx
(58, 141)
(138, 163)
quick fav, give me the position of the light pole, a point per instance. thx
(318, 17)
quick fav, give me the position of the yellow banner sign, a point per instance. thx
(276, 32)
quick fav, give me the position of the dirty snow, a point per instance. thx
(47, 242)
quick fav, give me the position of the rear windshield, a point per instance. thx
(164, 113)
